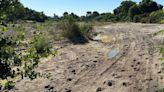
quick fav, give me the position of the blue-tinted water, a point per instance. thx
(112, 53)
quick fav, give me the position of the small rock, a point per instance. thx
(0, 87)
(110, 83)
(61, 47)
(138, 63)
(140, 89)
(140, 55)
(96, 57)
(125, 84)
(135, 69)
(95, 61)
(69, 79)
(104, 82)
(124, 53)
(48, 86)
(99, 89)
(150, 79)
(118, 76)
(155, 86)
(130, 76)
(73, 71)
(122, 70)
(114, 74)
(134, 60)
(51, 88)
(161, 77)
(69, 67)
(69, 90)
(132, 65)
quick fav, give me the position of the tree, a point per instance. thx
(109, 17)
(56, 17)
(146, 1)
(123, 9)
(129, 9)
(65, 13)
(157, 16)
(148, 6)
(89, 13)
(95, 14)
(92, 16)
(74, 16)
(4, 7)
(136, 18)
(16, 12)
(13, 10)
(134, 10)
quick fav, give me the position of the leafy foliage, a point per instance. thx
(162, 21)
(138, 12)
(20, 63)
(123, 9)
(128, 11)
(161, 90)
(9, 85)
(133, 11)
(41, 44)
(8, 56)
(13, 10)
(157, 16)
(74, 32)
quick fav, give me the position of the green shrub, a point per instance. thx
(161, 90)
(162, 50)
(14, 63)
(19, 28)
(162, 21)
(41, 43)
(161, 32)
(9, 85)
(136, 18)
(74, 32)
(85, 29)
(144, 20)
(8, 55)
(157, 16)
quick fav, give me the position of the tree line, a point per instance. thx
(146, 11)
(13, 10)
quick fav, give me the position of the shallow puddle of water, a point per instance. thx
(112, 53)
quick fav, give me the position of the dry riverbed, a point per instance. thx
(122, 57)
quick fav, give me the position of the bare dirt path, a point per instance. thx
(87, 68)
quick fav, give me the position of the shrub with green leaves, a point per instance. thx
(73, 31)
(41, 43)
(9, 85)
(157, 16)
(162, 21)
(14, 63)
(19, 28)
(8, 55)
(161, 32)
